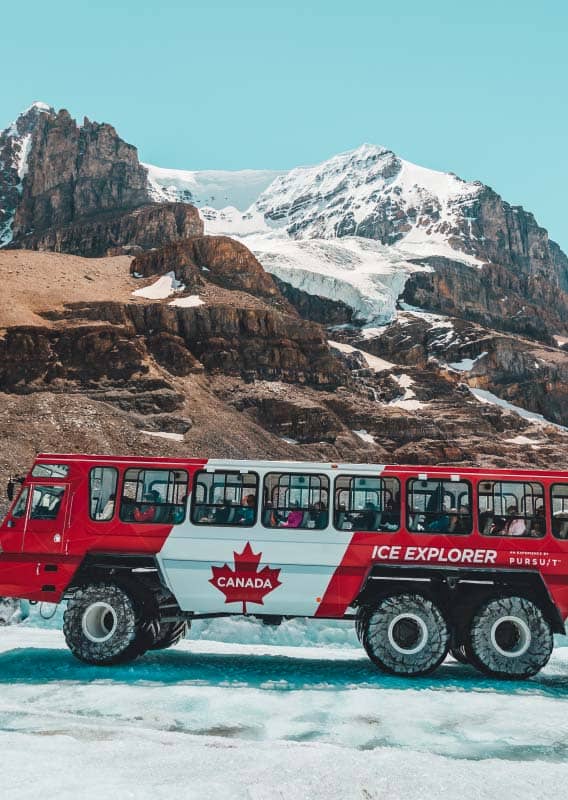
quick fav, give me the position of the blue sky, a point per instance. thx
(476, 88)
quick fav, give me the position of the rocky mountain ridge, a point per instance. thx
(237, 356)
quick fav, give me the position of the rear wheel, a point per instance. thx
(405, 634)
(509, 638)
(170, 634)
(104, 624)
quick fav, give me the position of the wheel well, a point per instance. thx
(139, 573)
(459, 592)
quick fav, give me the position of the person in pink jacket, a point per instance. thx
(294, 519)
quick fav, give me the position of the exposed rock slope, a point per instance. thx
(80, 189)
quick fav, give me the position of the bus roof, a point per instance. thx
(426, 470)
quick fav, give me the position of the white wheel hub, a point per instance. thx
(510, 636)
(407, 634)
(99, 622)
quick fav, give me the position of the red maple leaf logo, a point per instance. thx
(245, 584)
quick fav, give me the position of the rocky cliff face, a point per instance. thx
(75, 171)
(80, 189)
(117, 232)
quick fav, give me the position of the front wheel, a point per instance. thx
(103, 624)
(405, 634)
(509, 638)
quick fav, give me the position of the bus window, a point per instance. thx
(154, 495)
(46, 501)
(102, 493)
(225, 498)
(438, 506)
(511, 508)
(559, 505)
(50, 471)
(367, 503)
(293, 500)
(20, 507)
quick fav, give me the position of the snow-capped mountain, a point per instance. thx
(15, 142)
(347, 228)
(357, 225)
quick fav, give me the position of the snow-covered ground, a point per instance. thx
(241, 710)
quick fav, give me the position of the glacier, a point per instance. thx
(249, 712)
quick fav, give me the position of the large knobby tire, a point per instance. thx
(509, 638)
(361, 621)
(104, 624)
(170, 634)
(406, 634)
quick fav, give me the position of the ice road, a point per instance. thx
(246, 711)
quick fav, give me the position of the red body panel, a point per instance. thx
(24, 558)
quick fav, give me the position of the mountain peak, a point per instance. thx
(27, 119)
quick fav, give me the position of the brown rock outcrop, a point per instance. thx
(219, 259)
(118, 232)
(527, 303)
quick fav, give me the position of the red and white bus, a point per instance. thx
(426, 560)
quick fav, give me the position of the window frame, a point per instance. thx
(292, 474)
(521, 505)
(116, 492)
(408, 494)
(39, 487)
(552, 518)
(159, 505)
(374, 478)
(194, 502)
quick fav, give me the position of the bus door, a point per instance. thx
(45, 519)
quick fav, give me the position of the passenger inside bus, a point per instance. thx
(538, 523)
(108, 509)
(294, 518)
(514, 525)
(247, 512)
(146, 511)
(318, 515)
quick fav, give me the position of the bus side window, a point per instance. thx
(294, 500)
(156, 496)
(438, 506)
(366, 503)
(102, 493)
(559, 506)
(225, 497)
(511, 508)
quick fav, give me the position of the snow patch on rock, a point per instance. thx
(191, 301)
(165, 286)
(375, 363)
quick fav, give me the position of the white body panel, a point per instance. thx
(306, 558)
